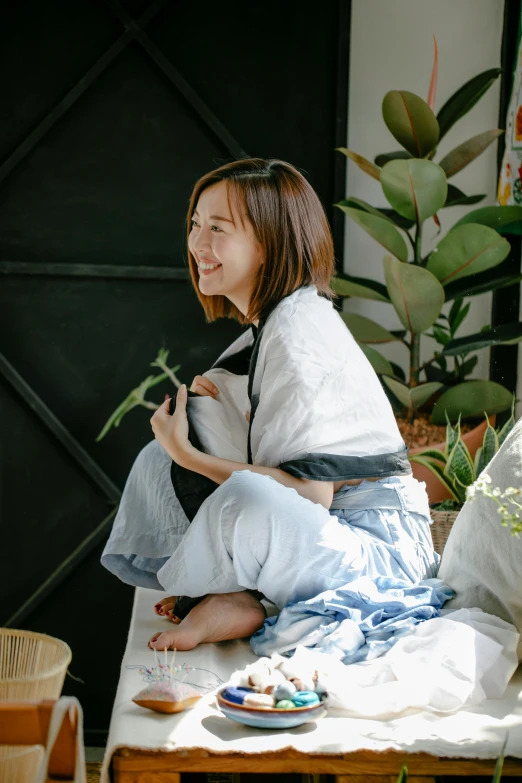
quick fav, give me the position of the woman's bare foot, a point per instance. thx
(215, 619)
(165, 608)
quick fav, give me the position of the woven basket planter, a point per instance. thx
(440, 529)
(32, 668)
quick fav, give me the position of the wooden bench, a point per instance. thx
(361, 767)
(143, 765)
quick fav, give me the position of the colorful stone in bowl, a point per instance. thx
(271, 717)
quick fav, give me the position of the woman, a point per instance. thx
(289, 474)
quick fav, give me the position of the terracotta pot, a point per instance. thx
(437, 492)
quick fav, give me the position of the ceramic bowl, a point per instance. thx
(271, 718)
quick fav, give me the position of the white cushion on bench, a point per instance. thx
(474, 733)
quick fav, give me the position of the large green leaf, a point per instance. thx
(399, 220)
(363, 163)
(465, 98)
(380, 160)
(471, 399)
(511, 228)
(415, 293)
(459, 157)
(411, 398)
(364, 330)
(380, 364)
(359, 203)
(389, 214)
(400, 390)
(411, 121)
(361, 287)
(466, 250)
(480, 284)
(422, 393)
(504, 334)
(381, 229)
(416, 189)
(494, 217)
(456, 198)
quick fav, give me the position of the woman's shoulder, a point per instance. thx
(309, 321)
(310, 340)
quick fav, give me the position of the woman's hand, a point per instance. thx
(172, 431)
(204, 387)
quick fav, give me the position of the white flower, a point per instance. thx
(471, 492)
(511, 491)
(486, 478)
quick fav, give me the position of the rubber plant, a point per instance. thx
(467, 261)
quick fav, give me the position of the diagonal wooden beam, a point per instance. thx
(48, 122)
(54, 580)
(60, 432)
(59, 269)
(188, 92)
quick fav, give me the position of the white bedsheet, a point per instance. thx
(477, 732)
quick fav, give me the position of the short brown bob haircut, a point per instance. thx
(289, 223)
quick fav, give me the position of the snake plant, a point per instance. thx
(454, 467)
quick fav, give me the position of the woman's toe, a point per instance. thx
(164, 606)
(153, 639)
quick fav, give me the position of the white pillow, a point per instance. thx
(482, 561)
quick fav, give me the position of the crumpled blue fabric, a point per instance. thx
(356, 622)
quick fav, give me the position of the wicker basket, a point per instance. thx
(440, 529)
(32, 667)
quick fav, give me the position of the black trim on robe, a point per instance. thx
(191, 488)
(319, 466)
(237, 363)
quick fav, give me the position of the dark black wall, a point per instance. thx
(503, 365)
(110, 114)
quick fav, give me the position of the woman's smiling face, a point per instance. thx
(226, 251)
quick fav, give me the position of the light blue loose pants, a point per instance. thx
(254, 533)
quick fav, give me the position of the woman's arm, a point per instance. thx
(219, 470)
(172, 433)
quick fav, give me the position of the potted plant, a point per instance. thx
(467, 261)
(454, 467)
(456, 475)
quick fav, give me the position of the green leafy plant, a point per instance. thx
(137, 396)
(454, 467)
(460, 266)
